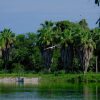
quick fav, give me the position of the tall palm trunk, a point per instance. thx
(85, 54)
(98, 63)
(67, 57)
(5, 56)
(47, 57)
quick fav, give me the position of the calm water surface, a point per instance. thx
(29, 92)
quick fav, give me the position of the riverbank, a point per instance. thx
(51, 78)
(15, 80)
(77, 78)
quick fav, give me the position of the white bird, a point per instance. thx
(51, 47)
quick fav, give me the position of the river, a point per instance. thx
(31, 92)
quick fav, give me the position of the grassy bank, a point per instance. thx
(62, 81)
(59, 78)
(89, 77)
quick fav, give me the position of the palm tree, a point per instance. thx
(84, 45)
(66, 43)
(84, 24)
(45, 40)
(67, 49)
(6, 42)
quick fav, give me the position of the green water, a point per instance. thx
(72, 91)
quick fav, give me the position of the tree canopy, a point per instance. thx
(61, 45)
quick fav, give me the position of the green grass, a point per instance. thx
(17, 75)
(61, 81)
(59, 78)
(65, 81)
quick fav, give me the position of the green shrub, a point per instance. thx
(18, 68)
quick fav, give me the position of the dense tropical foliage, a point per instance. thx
(57, 46)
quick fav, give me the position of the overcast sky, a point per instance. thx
(26, 15)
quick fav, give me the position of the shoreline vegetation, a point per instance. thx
(51, 79)
(57, 50)
(56, 46)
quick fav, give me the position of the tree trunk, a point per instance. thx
(47, 57)
(85, 54)
(96, 64)
(67, 57)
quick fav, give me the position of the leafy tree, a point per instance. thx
(24, 50)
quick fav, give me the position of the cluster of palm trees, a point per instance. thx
(73, 39)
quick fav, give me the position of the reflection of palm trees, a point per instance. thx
(97, 98)
(90, 92)
(88, 95)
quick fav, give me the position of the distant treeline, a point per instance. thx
(57, 46)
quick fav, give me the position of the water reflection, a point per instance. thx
(88, 93)
(29, 92)
(91, 92)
